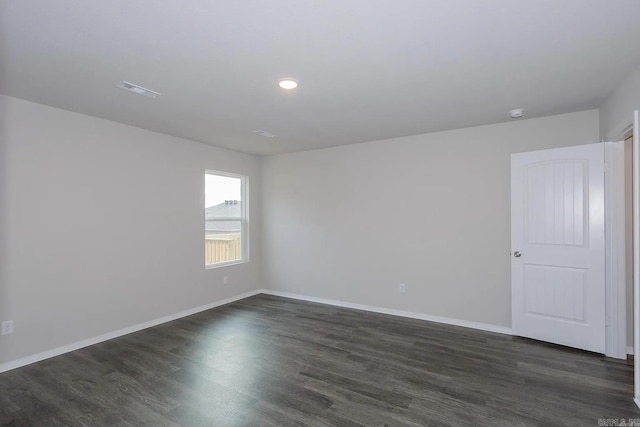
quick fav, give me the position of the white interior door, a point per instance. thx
(558, 246)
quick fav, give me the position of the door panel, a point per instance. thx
(555, 203)
(555, 292)
(557, 264)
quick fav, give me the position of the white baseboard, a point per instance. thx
(630, 349)
(637, 400)
(412, 315)
(7, 366)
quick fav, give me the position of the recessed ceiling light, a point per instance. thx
(517, 113)
(139, 90)
(288, 84)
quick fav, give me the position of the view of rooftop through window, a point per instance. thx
(224, 218)
(219, 188)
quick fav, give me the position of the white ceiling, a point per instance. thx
(368, 69)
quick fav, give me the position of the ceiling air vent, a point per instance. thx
(263, 133)
(139, 90)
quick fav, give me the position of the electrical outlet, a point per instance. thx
(225, 280)
(7, 327)
(402, 288)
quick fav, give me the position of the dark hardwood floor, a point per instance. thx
(277, 362)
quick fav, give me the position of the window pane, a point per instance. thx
(222, 241)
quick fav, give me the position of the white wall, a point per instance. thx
(616, 113)
(350, 223)
(101, 226)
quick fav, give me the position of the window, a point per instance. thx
(225, 219)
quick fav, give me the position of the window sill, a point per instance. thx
(224, 264)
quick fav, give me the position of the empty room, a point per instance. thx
(319, 213)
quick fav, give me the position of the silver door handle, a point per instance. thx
(517, 254)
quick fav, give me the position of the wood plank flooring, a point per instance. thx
(279, 362)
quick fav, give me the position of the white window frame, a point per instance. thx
(244, 219)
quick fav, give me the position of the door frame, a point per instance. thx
(634, 129)
(636, 256)
(615, 251)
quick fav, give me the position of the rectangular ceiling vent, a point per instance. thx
(264, 133)
(139, 90)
